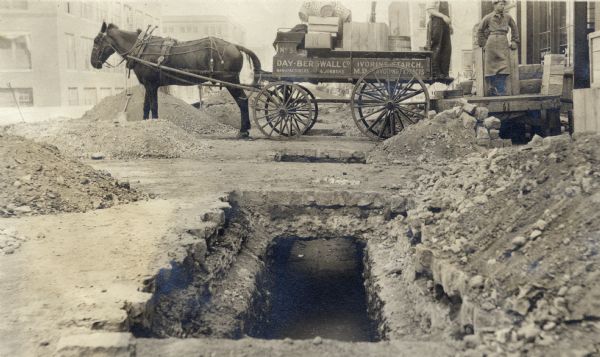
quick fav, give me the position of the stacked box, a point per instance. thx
(318, 40)
(365, 36)
(553, 73)
(324, 24)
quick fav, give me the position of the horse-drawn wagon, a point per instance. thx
(390, 87)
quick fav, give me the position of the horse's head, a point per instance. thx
(103, 47)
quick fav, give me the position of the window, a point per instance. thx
(73, 96)
(116, 15)
(90, 96)
(15, 51)
(422, 16)
(86, 48)
(119, 90)
(105, 92)
(139, 19)
(547, 22)
(128, 13)
(89, 10)
(14, 4)
(102, 11)
(23, 95)
(70, 51)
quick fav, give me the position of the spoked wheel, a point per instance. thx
(283, 109)
(388, 99)
(315, 108)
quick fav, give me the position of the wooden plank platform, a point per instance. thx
(507, 104)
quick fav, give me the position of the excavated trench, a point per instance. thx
(299, 265)
(313, 287)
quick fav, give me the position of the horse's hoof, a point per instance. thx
(243, 135)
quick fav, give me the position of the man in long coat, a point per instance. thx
(492, 35)
(439, 30)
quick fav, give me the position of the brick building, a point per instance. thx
(45, 50)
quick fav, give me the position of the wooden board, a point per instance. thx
(506, 104)
(530, 71)
(363, 36)
(586, 110)
(552, 78)
(513, 80)
(318, 40)
(289, 66)
(480, 87)
(530, 86)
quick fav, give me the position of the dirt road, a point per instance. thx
(472, 237)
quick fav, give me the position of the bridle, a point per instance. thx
(140, 40)
(99, 41)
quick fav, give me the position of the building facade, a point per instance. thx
(185, 28)
(557, 27)
(45, 50)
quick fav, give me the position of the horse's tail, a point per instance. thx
(253, 58)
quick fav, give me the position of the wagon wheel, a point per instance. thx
(315, 108)
(285, 109)
(388, 99)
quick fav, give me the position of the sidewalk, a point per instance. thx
(10, 115)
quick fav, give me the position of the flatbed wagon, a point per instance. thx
(389, 92)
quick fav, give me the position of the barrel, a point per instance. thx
(399, 43)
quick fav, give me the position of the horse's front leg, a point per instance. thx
(154, 102)
(147, 102)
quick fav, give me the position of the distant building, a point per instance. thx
(185, 28)
(45, 50)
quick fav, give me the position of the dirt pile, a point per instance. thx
(129, 140)
(444, 137)
(170, 108)
(174, 135)
(37, 179)
(524, 224)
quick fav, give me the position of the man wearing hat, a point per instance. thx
(491, 35)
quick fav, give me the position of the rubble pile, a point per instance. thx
(443, 137)
(99, 132)
(170, 109)
(85, 139)
(451, 134)
(515, 232)
(37, 179)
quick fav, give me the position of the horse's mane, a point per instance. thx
(113, 26)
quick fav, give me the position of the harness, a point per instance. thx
(145, 39)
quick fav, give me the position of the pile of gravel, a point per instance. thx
(170, 109)
(129, 140)
(515, 232)
(443, 137)
(37, 179)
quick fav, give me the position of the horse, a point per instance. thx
(211, 57)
